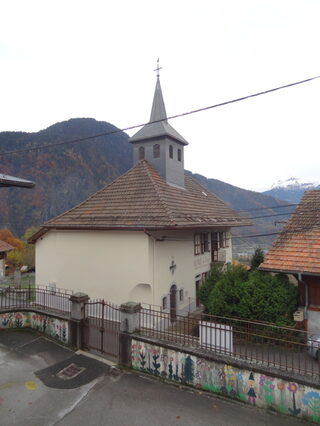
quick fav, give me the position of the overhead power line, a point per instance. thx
(243, 98)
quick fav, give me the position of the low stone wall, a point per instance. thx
(54, 327)
(218, 376)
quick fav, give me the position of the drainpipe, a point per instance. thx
(305, 295)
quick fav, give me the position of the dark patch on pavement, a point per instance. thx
(93, 370)
(50, 351)
(15, 338)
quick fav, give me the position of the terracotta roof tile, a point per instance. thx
(297, 249)
(5, 246)
(142, 199)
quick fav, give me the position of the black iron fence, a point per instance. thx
(41, 297)
(101, 328)
(265, 344)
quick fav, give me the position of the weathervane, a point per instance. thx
(158, 68)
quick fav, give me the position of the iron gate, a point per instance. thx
(101, 328)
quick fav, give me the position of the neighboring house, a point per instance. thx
(6, 180)
(4, 249)
(297, 251)
(150, 236)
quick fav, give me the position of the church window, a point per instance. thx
(164, 302)
(222, 240)
(170, 151)
(179, 154)
(156, 151)
(141, 153)
(181, 295)
(201, 243)
(197, 244)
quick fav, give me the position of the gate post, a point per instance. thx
(129, 324)
(78, 301)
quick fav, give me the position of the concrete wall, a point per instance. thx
(2, 268)
(104, 264)
(121, 265)
(53, 327)
(288, 397)
(175, 252)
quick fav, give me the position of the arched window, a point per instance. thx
(156, 151)
(141, 152)
(170, 151)
(179, 154)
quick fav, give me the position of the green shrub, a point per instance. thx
(252, 295)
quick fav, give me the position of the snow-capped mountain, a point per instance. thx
(294, 183)
(291, 190)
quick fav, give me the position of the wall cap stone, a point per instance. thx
(79, 297)
(130, 307)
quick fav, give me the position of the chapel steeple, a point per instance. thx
(159, 143)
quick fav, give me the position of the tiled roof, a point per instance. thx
(142, 199)
(5, 246)
(297, 249)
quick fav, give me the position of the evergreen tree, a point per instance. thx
(257, 258)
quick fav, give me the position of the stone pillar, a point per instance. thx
(78, 301)
(129, 324)
(17, 277)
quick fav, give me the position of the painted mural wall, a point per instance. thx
(53, 327)
(251, 387)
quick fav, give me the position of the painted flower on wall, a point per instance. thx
(293, 387)
(281, 387)
(312, 401)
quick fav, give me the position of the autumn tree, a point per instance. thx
(28, 256)
(14, 257)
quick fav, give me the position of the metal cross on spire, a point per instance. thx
(158, 68)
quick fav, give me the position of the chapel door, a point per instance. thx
(173, 303)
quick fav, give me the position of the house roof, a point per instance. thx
(6, 180)
(141, 199)
(297, 248)
(158, 125)
(5, 247)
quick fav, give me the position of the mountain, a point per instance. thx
(263, 211)
(290, 190)
(66, 174)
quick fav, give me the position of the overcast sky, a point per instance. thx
(66, 59)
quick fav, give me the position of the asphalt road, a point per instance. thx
(35, 390)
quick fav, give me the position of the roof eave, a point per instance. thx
(158, 136)
(288, 271)
(73, 227)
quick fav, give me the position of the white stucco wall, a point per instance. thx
(177, 248)
(2, 268)
(122, 266)
(104, 264)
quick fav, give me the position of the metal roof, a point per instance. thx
(6, 180)
(158, 125)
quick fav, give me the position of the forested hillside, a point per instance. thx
(67, 174)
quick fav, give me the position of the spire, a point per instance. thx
(158, 110)
(160, 126)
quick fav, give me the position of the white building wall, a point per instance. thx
(103, 264)
(122, 266)
(2, 268)
(177, 251)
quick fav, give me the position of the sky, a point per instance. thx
(67, 59)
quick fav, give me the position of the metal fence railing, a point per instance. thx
(42, 297)
(284, 348)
